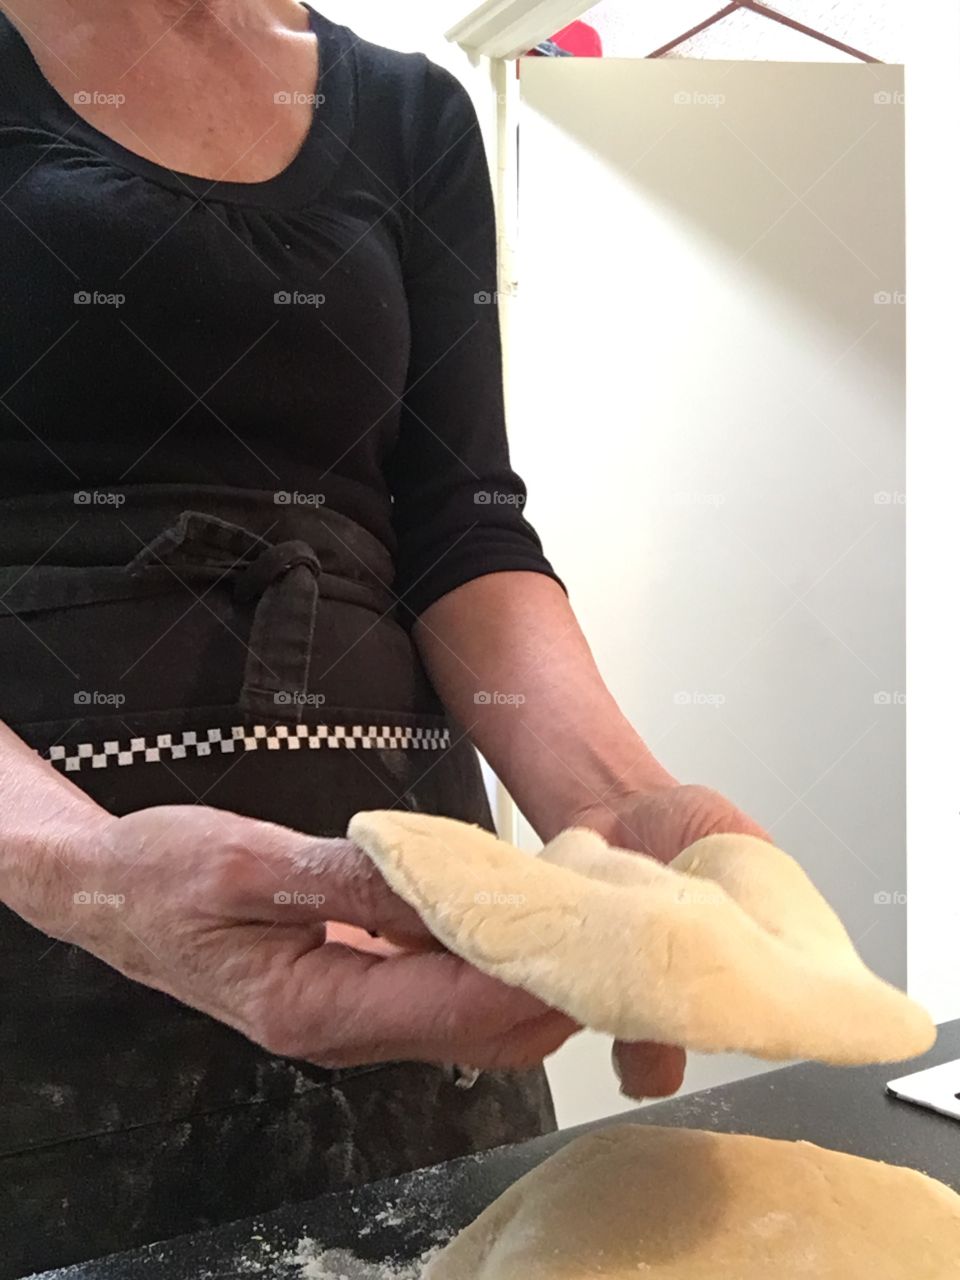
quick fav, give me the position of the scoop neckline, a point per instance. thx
(309, 171)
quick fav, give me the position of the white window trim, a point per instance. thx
(508, 28)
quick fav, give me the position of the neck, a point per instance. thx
(186, 13)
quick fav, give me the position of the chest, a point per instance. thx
(132, 302)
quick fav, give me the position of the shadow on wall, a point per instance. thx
(691, 136)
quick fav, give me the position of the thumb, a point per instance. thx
(297, 878)
(647, 1070)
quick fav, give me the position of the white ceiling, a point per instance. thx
(634, 28)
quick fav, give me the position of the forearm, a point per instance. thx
(509, 659)
(41, 811)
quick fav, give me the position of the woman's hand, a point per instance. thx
(228, 914)
(561, 744)
(663, 820)
(660, 822)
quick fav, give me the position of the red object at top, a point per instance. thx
(580, 39)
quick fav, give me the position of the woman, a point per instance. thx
(265, 565)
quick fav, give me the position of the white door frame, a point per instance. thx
(505, 192)
(508, 28)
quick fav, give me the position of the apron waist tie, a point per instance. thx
(272, 564)
(282, 580)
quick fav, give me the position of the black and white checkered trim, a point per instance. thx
(205, 742)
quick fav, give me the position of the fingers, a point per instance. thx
(338, 1007)
(296, 878)
(524, 1047)
(647, 1070)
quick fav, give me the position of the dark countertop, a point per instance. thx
(846, 1109)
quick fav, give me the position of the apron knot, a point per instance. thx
(272, 563)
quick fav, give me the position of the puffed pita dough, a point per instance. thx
(681, 1204)
(729, 949)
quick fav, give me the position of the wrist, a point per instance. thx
(43, 867)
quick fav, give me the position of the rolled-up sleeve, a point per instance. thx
(458, 506)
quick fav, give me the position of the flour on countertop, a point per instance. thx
(317, 1263)
(390, 1217)
(423, 1196)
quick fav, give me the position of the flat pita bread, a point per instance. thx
(728, 949)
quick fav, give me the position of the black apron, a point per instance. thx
(213, 646)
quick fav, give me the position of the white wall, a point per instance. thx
(933, 197)
(708, 401)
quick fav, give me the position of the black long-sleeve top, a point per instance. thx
(329, 332)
